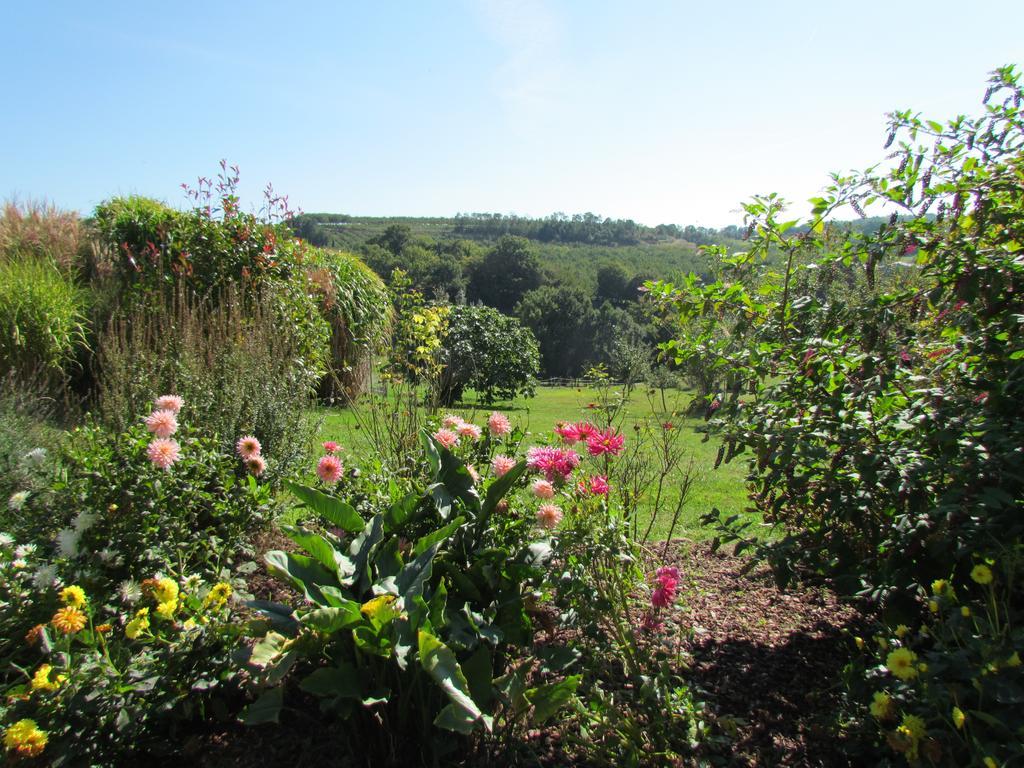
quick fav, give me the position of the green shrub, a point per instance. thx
(240, 370)
(42, 321)
(881, 417)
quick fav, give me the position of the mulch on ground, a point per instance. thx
(767, 662)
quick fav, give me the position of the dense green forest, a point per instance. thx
(574, 281)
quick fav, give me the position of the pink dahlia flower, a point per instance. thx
(555, 463)
(451, 421)
(473, 473)
(248, 447)
(608, 441)
(549, 515)
(569, 433)
(471, 431)
(329, 469)
(171, 403)
(163, 452)
(586, 430)
(331, 447)
(542, 489)
(162, 423)
(662, 597)
(595, 486)
(498, 424)
(447, 438)
(256, 465)
(667, 576)
(502, 464)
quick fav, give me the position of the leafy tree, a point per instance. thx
(564, 322)
(613, 283)
(506, 274)
(488, 351)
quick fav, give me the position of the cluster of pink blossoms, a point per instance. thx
(330, 469)
(664, 594)
(162, 423)
(555, 463)
(598, 441)
(453, 428)
(250, 451)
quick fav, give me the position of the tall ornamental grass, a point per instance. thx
(240, 369)
(42, 321)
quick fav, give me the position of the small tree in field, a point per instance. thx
(488, 351)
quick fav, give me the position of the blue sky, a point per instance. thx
(656, 111)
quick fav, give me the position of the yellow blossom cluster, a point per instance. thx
(25, 739)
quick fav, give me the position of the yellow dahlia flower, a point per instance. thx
(901, 663)
(74, 596)
(25, 739)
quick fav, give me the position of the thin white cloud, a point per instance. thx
(532, 80)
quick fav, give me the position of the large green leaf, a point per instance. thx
(335, 511)
(333, 619)
(437, 536)
(342, 681)
(314, 544)
(440, 663)
(281, 616)
(266, 709)
(414, 575)
(303, 573)
(362, 548)
(548, 699)
(497, 490)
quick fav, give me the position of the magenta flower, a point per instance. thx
(447, 438)
(256, 465)
(472, 431)
(542, 489)
(171, 403)
(608, 441)
(549, 515)
(667, 577)
(555, 463)
(163, 452)
(329, 469)
(330, 447)
(498, 424)
(162, 423)
(569, 433)
(502, 464)
(662, 597)
(247, 447)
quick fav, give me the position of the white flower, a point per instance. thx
(6, 540)
(67, 542)
(45, 577)
(192, 583)
(17, 500)
(129, 591)
(108, 555)
(84, 521)
(19, 563)
(25, 550)
(36, 457)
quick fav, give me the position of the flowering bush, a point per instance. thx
(426, 597)
(106, 675)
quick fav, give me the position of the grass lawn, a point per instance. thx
(722, 487)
